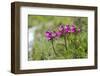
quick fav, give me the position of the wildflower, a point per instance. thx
(54, 34)
(61, 28)
(67, 29)
(73, 29)
(48, 35)
(61, 31)
(58, 33)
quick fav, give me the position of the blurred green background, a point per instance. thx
(42, 48)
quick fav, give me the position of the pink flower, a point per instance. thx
(67, 29)
(54, 34)
(61, 28)
(59, 33)
(62, 31)
(73, 29)
(48, 35)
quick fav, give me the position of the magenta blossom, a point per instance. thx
(73, 29)
(61, 28)
(48, 35)
(67, 29)
(54, 34)
(61, 31)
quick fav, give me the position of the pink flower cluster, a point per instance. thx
(62, 31)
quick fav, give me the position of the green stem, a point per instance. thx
(53, 47)
(65, 42)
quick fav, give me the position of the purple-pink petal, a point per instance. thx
(73, 28)
(54, 34)
(67, 28)
(61, 28)
(48, 35)
(59, 33)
